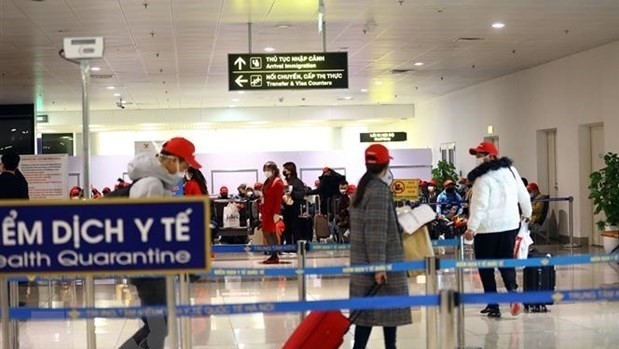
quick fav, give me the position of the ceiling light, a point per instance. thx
(269, 49)
(117, 95)
(95, 69)
(498, 25)
(236, 100)
(364, 90)
(284, 26)
(348, 98)
(111, 88)
(419, 64)
(241, 92)
(378, 82)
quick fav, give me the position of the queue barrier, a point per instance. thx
(383, 302)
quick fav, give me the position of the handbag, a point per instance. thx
(232, 217)
(417, 246)
(523, 241)
(411, 219)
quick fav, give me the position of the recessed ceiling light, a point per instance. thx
(498, 25)
(111, 88)
(231, 106)
(419, 64)
(95, 69)
(269, 49)
(236, 100)
(241, 92)
(348, 98)
(284, 26)
(116, 94)
(364, 90)
(378, 82)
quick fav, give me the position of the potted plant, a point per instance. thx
(605, 195)
(442, 172)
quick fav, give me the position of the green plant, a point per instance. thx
(605, 190)
(442, 172)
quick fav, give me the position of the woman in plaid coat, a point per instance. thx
(375, 239)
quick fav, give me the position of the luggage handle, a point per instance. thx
(354, 315)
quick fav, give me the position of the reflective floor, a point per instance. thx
(587, 325)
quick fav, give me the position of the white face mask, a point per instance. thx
(431, 189)
(388, 177)
(342, 192)
(479, 161)
(268, 174)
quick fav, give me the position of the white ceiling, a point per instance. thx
(173, 53)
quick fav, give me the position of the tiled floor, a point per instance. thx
(590, 325)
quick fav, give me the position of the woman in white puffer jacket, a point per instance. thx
(498, 192)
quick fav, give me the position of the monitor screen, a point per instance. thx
(17, 133)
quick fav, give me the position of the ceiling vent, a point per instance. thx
(468, 39)
(101, 76)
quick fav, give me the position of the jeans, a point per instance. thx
(362, 335)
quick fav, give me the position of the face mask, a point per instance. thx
(431, 189)
(479, 161)
(342, 192)
(287, 174)
(268, 174)
(450, 190)
(388, 178)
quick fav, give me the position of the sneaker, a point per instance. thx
(487, 309)
(494, 313)
(516, 308)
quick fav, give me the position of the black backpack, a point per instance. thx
(121, 192)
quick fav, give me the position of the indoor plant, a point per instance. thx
(442, 172)
(605, 195)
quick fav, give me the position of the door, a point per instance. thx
(597, 163)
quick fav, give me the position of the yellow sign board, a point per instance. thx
(406, 189)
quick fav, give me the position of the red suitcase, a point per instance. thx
(323, 329)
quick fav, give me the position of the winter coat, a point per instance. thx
(192, 188)
(343, 215)
(154, 179)
(375, 239)
(273, 194)
(448, 200)
(298, 198)
(497, 192)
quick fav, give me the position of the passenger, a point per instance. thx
(195, 183)
(155, 176)
(13, 185)
(375, 239)
(449, 201)
(328, 187)
(106, 191)
(342, 217)
(271, 208)
(538, 206)
(295, 195)
(432, 193)
(76, 193)
(223, 193)
(242, 192)
(494, 221)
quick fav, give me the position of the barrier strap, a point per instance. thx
(253, 248)
(571, 296)
(531, 262)
(389, 302)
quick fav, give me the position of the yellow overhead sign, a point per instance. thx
(406, 189)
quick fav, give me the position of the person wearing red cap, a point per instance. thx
(375, 239)
(449, 202)
(539, 207)
(271, 208)
(155, 176)
(495, 218)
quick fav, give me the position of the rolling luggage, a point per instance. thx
(321, 225)
(323, 329)
(538, 279)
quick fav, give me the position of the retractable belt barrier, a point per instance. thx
(388, 302)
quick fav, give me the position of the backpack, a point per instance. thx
(121, 192)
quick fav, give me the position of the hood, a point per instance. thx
(147, 165)
(489, 166)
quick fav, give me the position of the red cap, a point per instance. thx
(75, 191)
(182, 148)
(431, 183)
(463, 180)
(258, 186)
(486, 148)
(377, 154)
(532, 187)
(223, 190)
(351, 189)
(448, 183)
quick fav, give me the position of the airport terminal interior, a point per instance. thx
(223, 95)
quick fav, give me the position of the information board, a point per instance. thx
(47, 176)
(382, 137)
(288, 71)
(405, 189)
(104, 236)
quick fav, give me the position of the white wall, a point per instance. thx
(564, 94)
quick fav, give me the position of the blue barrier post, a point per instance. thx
(431, 313)
(172, 317)
(89, 288)
(185, 295)
(460, 289)
(571, 245)
(4, 307)
(301, 279)
(447, 299)
(13, 303)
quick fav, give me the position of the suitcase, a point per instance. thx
(538, 279)
(306, 228)
(321, 225)
(323, 329)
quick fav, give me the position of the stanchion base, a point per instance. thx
(571, 246)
